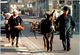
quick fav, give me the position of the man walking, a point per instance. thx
(66, 26)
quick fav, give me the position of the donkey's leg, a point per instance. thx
(47, 41)
(51, 41)
(44, 40)
(47, 44)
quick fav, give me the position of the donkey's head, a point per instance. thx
(49, 16)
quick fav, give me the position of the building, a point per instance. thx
(38, 7)
(4, 5)
(76, 13)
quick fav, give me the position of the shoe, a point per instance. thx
(68, 49)
(16, 45)
(50, 49)
(64, 49)
(44, 46)
(8, 41)
(12, 43)
(47, 50)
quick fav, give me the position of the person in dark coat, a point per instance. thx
(66, 26)
(7, 16)
(14, 20)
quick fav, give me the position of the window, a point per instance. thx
(61, 1)
(16, 0)
(69, 3)
(19, 1)
(4, 0)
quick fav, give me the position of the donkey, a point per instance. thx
(47, 29)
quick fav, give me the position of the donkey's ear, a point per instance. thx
(52, 13)
(47, 14)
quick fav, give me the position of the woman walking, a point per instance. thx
(14, 21)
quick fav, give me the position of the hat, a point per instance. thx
(65, 8)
